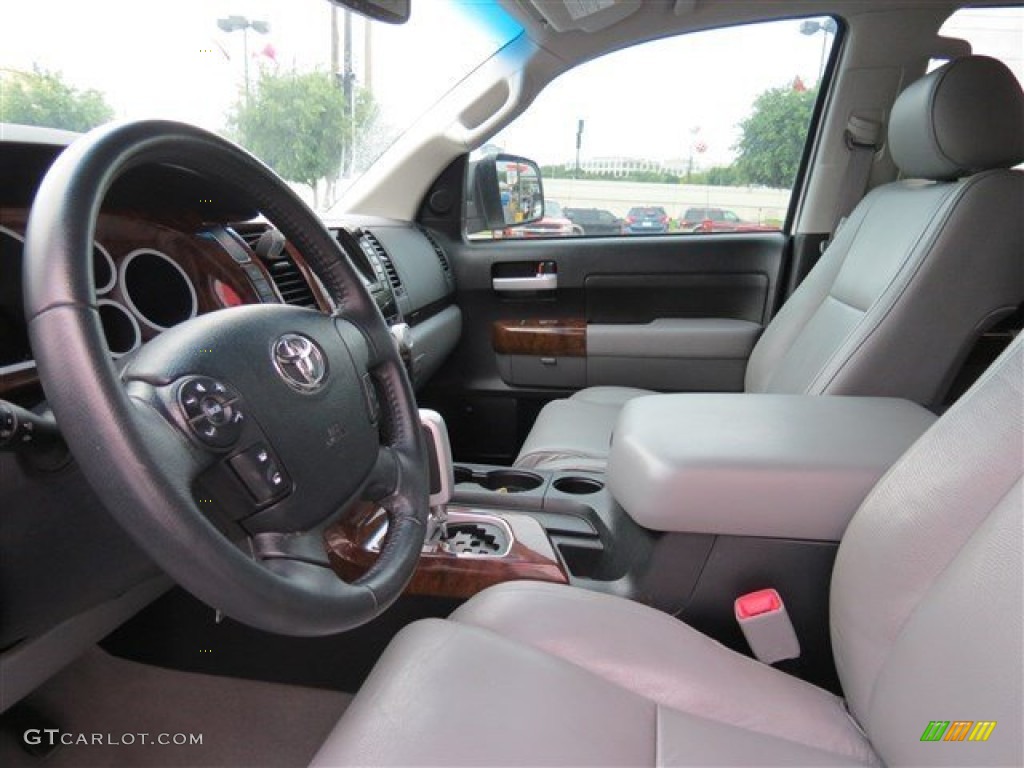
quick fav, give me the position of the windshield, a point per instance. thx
(316, 92)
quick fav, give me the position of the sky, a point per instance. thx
(657, 100)
(171, 60)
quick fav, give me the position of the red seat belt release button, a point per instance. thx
(762, 617)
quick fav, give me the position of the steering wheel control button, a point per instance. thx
(216, 412)
(300, 362)
(261, 472)
(213, 411)
(7, 423)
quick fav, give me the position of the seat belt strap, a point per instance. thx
(862, 137)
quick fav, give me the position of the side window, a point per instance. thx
(661, 138)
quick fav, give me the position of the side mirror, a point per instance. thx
(503, 191)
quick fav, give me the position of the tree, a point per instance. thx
(717, 176)
(774, 136)
(298, 124)
(43, 98)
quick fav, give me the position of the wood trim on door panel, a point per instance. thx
(540, 337)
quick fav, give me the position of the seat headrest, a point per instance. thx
(965, 117)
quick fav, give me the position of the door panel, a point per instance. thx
(677, 313)
(699, 354)
(641, 298)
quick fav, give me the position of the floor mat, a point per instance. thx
(129, 708)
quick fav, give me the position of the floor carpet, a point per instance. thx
(240, 722)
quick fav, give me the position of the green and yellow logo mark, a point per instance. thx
(958, 730)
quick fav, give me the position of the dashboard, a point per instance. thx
(164, 253)
(169, 245)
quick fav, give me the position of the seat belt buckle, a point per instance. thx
(766, 625)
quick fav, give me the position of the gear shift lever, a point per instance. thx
(442, 475)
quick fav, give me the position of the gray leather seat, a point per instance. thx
(926, 625)
(921, 268)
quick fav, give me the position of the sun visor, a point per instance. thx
(583, 15)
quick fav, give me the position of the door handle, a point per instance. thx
(541, 282)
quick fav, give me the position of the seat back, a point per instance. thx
(923, 265)
(927, 588)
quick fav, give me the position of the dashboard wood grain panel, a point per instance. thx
(441, 574)
(17, 378)
(202, 259)
(541, 337)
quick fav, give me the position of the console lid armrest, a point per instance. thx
(789, 466)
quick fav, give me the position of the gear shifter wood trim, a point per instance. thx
(443, 574)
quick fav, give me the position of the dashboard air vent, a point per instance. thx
(287, 277)
(291, 284)
(385, 260)
(441, 255)
(251, 238)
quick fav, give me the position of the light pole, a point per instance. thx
(348, 88)
(827, 27)
(233, 24)
(346, 78)
(694, 133)
(579, 143)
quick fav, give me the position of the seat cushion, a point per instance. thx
(535, 674)
(662, 659)
(576, 433)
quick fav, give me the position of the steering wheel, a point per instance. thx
(230, 442)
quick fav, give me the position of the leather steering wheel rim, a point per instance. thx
(140, 465)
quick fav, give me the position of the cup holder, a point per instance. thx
(499, 480)
(511, 481)
(578, 486)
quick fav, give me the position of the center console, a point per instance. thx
(492, 524)
(499, 525)
(706, 496)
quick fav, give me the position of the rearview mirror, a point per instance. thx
(503, 191)
(389, 11)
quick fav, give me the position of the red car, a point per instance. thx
(718, 220)
(554, 224)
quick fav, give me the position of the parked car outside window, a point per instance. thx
(595, 221)
(719, 220)
(650, 219)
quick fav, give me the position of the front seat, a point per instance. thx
(919, 270)
(926, 627)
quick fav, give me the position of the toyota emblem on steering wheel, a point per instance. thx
(300, 362)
